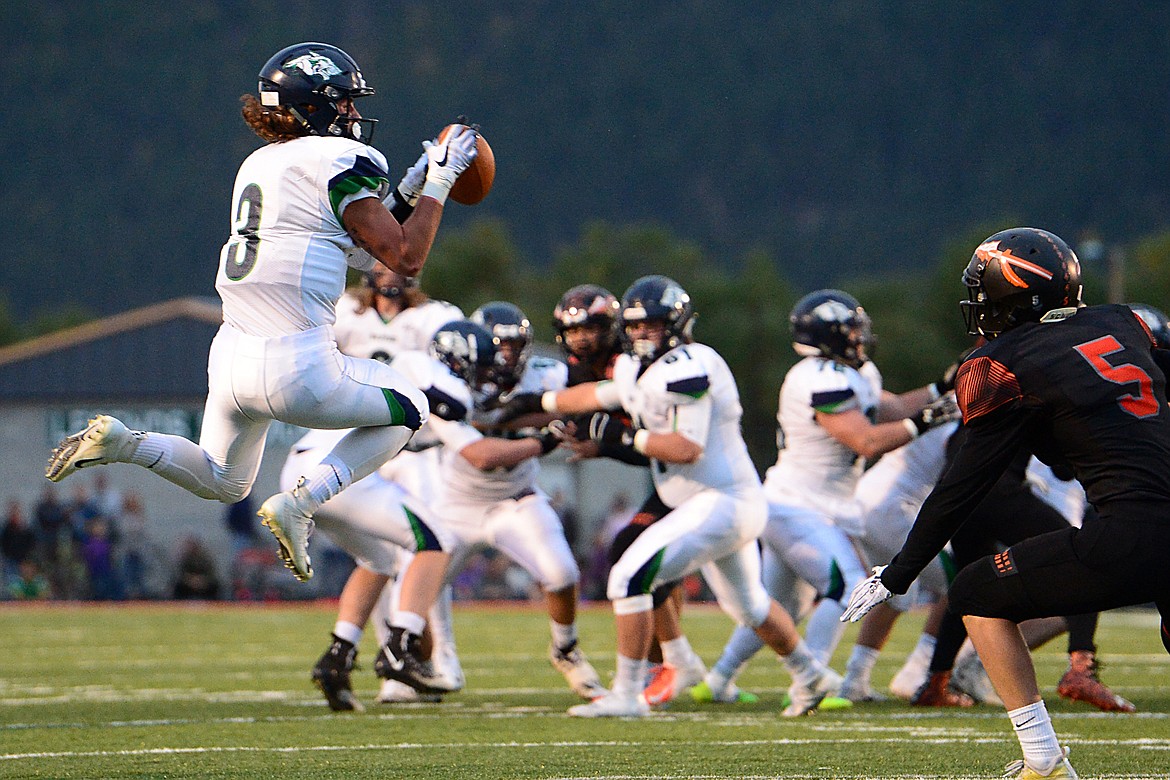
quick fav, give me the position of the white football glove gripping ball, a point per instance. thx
(411, 187)
(447, 159)
(865, 596)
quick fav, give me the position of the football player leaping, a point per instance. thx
(684, 401)
(299, 207)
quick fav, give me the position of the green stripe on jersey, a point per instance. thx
(351, 185)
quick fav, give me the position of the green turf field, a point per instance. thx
(223, 692)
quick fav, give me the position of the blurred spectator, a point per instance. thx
(240, 519)
(133, 550)
(81, 509)
(197, 576)
(50, 519)
(29, 583)
(98, 553)
(107, 499)
(18, 542)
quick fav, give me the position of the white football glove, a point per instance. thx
(410, 188)
(868, 594)
(447, 160)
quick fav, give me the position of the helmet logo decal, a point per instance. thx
(313, 64)
(833, 311)
(1009, 262)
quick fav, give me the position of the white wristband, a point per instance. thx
(933, 389)
(911, 428)
(548, 401)
(641, 438)
(437, 191)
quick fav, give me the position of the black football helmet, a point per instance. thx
(1156, 321)
(656, 297)
(587, 304)
(832, 324)
(1018, 276)
(506, 323)
(467, 349)
(309, 79)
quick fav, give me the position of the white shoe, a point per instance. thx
(805, 698)
(971, 678)
(393, 692)
(909, 679)
(670, 681)
(858, 693)
(611, 705)
(284, 515)
(447, 667)
(104, 440)
(581, 675)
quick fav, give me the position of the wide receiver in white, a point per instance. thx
(300, 206)
(684, 402)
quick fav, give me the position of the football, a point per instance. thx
(475, 183)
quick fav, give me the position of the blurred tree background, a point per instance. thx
(752, 151)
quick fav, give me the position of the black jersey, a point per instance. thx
(582, 371)
(1082, 392)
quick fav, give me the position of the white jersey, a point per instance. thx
(1065, 496)
(283, 268)
(908, 472)
(416, 468)
(363, 332)
(689, 390)
(812, 468)
(465, 482)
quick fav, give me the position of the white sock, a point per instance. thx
(677, 652)
(327, 479)
(743, 644)
(923, 651)
(860, 665)
(411, 621)
(630, 676)
(717, 681)
(563, 636)
(803, 665)
(1037, 738)
(350, 632)
(825, 629)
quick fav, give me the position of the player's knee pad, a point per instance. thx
(980, 589)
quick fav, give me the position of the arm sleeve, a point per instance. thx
(608, 395)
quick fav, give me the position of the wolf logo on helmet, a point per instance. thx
(656, 298)
(310, 81)
(832, 324)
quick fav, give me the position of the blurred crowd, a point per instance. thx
(96, 543)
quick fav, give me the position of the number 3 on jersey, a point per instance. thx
(239, 254)
(1144, 403)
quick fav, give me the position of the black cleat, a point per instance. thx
(399, 660)
(331, 675)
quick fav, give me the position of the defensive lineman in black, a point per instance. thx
(1079, 387)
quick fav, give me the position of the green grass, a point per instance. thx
(223, 692)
